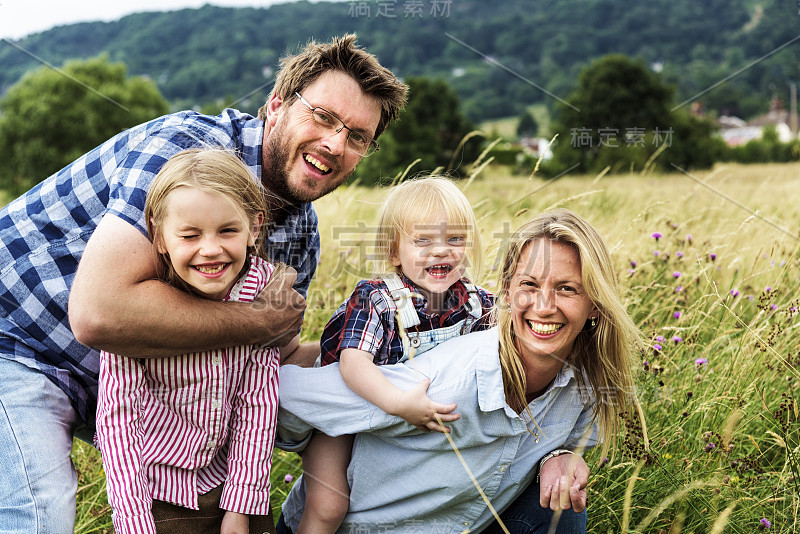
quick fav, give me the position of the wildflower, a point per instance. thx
(604, 461)
(667, 456)
(679, 254)
(689, 238)
(689, 395)
(646, 365)
(712, 256)
(709, 447)
(679, 289)
(768, 289)
(699, 362)
(631, 272)
(734, 479)
(677, 339)
(660, 339)
(677, 315)
(657, 348)
(656, 253)
(288, 478)
(764, 524)
(735, 292)
(774, 306)
(676, 274)
(783, 262)
(656, 236)
(633, 264)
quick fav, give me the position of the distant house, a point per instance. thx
(735, 131)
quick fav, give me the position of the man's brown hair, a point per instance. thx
(341, 54)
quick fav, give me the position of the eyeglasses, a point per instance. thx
(361, 144)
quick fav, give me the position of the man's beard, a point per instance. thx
(275, 174)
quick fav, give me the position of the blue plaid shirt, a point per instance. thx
(44, 232)
(366, 321)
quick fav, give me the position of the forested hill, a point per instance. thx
(499, 56)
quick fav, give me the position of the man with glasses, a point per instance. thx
(81, 236)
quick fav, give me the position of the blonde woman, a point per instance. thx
(545, 383)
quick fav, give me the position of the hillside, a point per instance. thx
(498, 56)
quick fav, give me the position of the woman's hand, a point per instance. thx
(562, 483)
(235, 523)
(415, 407)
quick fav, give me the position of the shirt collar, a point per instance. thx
(491, 395)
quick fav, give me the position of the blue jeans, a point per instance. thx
(523, 516)
(37, 479)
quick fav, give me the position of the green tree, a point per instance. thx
(620, 116)
(50, 118)
(527, 126)
(430, 129)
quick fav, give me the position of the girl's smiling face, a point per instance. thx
(548, 304)
(206, 237)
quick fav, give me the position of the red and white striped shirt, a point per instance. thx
(173, 428)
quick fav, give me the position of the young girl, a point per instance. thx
(187, 440)
(427, 236)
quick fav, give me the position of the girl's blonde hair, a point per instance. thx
(602, 355)
(417, 202)
(211, 170)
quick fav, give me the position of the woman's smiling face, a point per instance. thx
(548, 304)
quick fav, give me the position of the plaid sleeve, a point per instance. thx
(363, 322)
(487, 303)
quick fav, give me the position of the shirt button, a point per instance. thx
(215, 404)
(211, 444)
(465, 523)
(502, 469)
(216, 360)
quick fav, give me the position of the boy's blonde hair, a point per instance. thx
(417, 202)
(341, 54)
(603, 354)
(211, 170)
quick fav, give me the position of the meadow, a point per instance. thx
(708, 267)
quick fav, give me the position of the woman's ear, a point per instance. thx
(255, 229)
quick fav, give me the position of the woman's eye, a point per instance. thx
(567, 289)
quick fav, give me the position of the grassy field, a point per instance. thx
(717, 299)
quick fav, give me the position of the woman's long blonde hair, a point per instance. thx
(602, 355)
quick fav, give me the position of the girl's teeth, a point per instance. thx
(317, 163)
(545, 328)
(210, 270)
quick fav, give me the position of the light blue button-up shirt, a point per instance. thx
(406, 480)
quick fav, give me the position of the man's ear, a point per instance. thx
(255, 229)
(273, 107)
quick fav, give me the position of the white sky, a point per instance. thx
(19, 18)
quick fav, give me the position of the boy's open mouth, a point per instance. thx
(439, 270)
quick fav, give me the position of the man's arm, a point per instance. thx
(116, 304)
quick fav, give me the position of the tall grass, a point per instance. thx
(716, 296)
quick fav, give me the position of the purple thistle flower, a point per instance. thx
(768, 289)
(633, 264)
(735, 292)
(656, 253)
(676, 274)
(712, 256)
(657, 347)
(631, 272)
(679, 254)
(679, 289)
(288, 478)
(764, 523)
(774, 306)
(677, 315)
(677, 339)
(689, 238)
(699, 362)
(656, 236)
(709, 447)
(660, 339)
